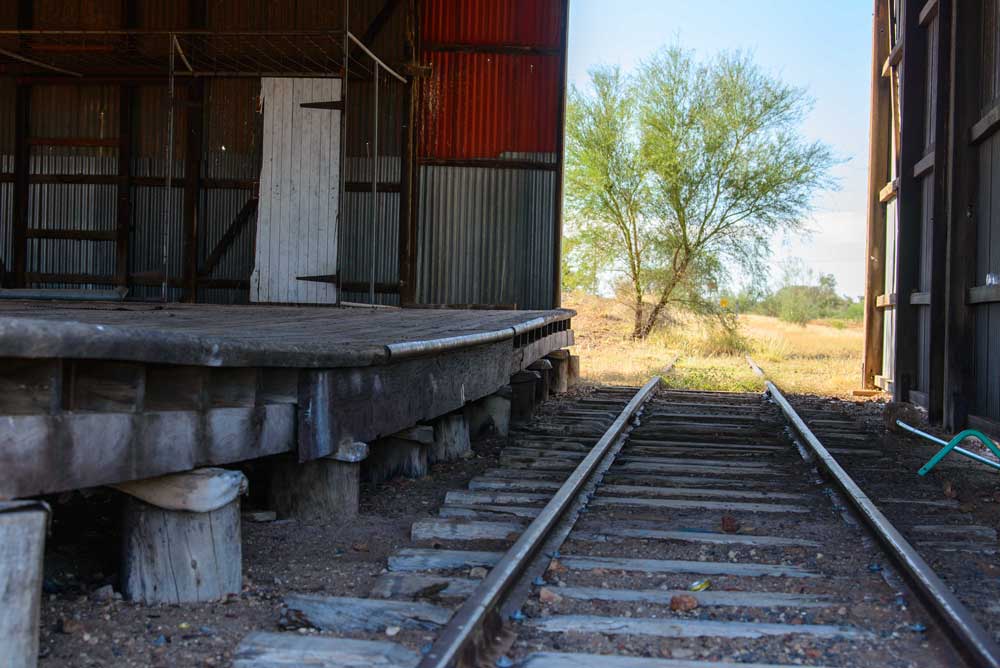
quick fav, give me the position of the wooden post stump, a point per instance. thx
(322, 489)
(402, 454)
(490, 414)
(181, 537)
(23, 526)
(522, 403)
(451, 439)
(560, 371)
(573, 376)
(544, 368)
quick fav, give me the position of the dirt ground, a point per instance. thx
(85, 623)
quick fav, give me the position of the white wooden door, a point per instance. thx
(299, 190)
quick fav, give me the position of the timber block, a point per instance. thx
(23, 526)
(325, 489)
(573, 371)
(451, 439)
(543, 367)
(395, 456)
(186, 548)
(490, 414)
(522, 404)
(559, 379)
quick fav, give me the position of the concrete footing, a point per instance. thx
(451, 439)
(181, 536)
(489, 415)
(23, 527)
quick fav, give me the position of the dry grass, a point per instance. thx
(816, 359)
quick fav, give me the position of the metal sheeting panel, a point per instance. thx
(485, 236)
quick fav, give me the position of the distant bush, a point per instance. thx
(800, 304)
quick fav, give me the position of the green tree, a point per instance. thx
(685, 169)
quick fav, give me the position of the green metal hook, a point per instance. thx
(948, 446)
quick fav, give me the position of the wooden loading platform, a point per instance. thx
(97, 393)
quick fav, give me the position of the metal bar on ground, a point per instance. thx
(969, 637)
(466, 624)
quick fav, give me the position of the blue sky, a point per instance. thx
(823, 45)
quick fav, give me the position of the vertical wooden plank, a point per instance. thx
(879, 123)
(912, 94)
(560, 126)
(126, 95)
(22, 169)
(193, 150)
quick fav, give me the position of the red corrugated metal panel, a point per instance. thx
(522, 22)
(490, 105)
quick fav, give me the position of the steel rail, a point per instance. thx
(459, 635)
(969, 637)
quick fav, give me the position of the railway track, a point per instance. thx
(644, 528)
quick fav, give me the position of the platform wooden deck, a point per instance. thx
(97, 393)
(273, 336)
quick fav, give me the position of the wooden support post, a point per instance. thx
(522, 386)
(939, 214)
(544, 369)
(23, 527)
(22, 171)
(192, 185)
(181, 537)
(560, 371)
(402, 454)
(126, 95)
(451, 439)
(409, 193)
(879, 149)
(574, 371)
(489, 415)
(909, 201)
(965, 63)
(325, 489)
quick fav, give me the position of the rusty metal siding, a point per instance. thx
(486, 234)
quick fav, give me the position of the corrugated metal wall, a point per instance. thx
(485, 234)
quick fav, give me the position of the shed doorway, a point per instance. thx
(299, 192)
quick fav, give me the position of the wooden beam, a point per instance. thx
(984, 128)
(81, 142)
(924, 165)
(22, 169)
(78, 235)
(126, 95)
(983, 294)
(409, 172)
(939, 213)
(886, 301)
(893, 59)
(888, 192)
(557, 223)
(929, 12)
(229, 236)
(489, 163)
(909, 203)
(379, 22)
(192, 192)
(879, 148)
